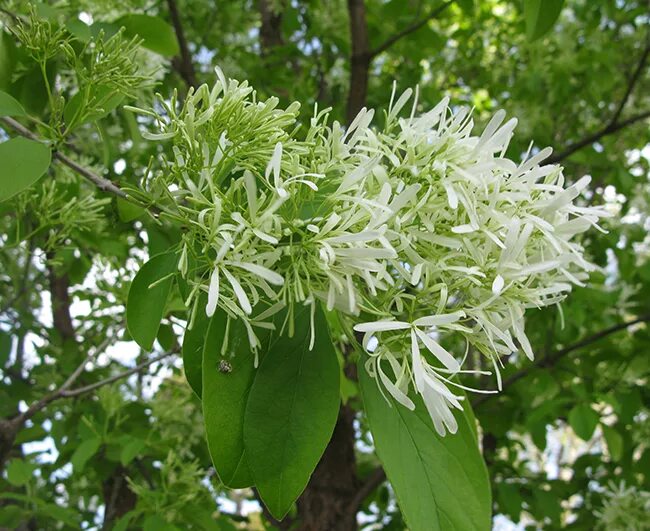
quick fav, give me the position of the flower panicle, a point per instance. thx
(422, 226)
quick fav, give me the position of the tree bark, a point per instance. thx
(59, 286)
(359, 60)
(325, 503)
(271, 28)
(119, 499)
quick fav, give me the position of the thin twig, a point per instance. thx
(409, 29)
(120, 376)
(374, 479)
(97, 180)
(552, 359)
(184, 66)
(594, 137)
(614, 124)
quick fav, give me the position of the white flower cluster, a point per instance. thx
(624, 508)
(409, 230)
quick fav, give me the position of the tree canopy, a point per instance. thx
(162, 371)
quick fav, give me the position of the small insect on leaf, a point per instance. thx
(225, 367)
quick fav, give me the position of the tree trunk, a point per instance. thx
(359, 59)
(327, 504)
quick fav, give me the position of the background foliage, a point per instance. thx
(108, 435)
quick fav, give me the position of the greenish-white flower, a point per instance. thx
(410, 230)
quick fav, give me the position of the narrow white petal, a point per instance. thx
(443, 356)
(497, 285)
(438, 320)
(265, 273)
(239, 292)
(213, 293)
(381, 326)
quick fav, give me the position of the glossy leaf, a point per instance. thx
(10, 106)
(614, 442)
(146, 303)
(22, 163)
(583, 420)
(193, 345)
(540, 16)
(227, 379)
(441, 483)
(291, 412)
(156, 34)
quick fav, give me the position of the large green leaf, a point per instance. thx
(227, 379)
(146, 303)
(583, 420)
(22, 163)
(193, 344)
(156, 34)
(7, 59)
(540, 16)
(291, 412)
(10, 106)
(441, 483)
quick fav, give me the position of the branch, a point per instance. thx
(183, 64)
(374, 479)
(632, 81)
(100, 182)
(614, 124)
(116, 377)
(409, 29)
(65, 392)
(594, 137)
(552, 359)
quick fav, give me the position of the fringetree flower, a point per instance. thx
(410, 228)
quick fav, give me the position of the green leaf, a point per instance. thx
(583, 420)
(5, 347)
(156, 34)
(84, 452)
(193, 344)
(131, 450)
(614, 442)
(225, 395)
(540, 16)
(441, 483)
(19, 472)
(7, 59)
(146, 303)
(10, 106)
(291, 411)
(166, 337)
(22, 163)
(127, 211)
(79, 29)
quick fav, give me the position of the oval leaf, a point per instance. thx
(291, 412)
(193, 344)
(227, 379)
(583, 420)
(441, 483)
(156, 34)
(22, 163)
(10, 106)
(540, 16)
(145, 306)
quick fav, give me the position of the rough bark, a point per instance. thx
(119, 499)
(59, 289)
(271, 28)
(359, 60)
